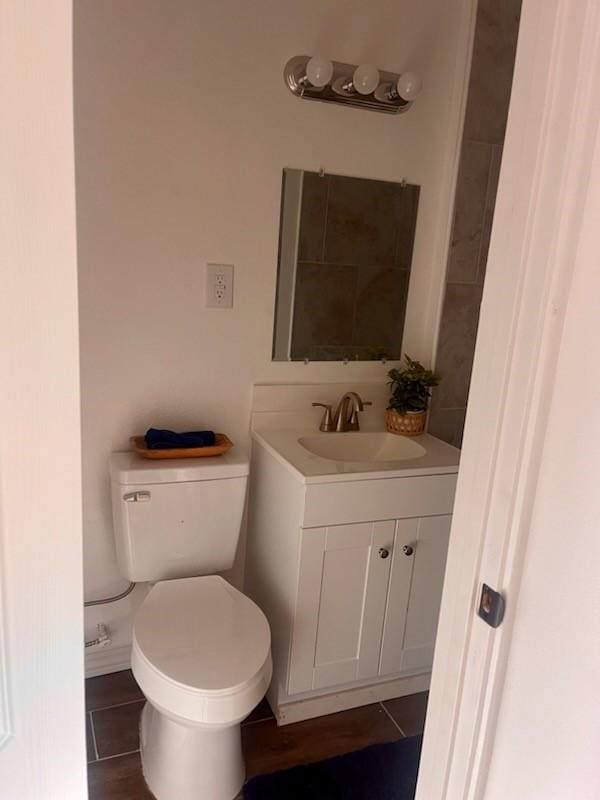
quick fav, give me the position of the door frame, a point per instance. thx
(42, 719)
(552, 129)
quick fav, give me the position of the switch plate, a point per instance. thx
(219, 285)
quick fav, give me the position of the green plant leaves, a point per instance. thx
(411, 386)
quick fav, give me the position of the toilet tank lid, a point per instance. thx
(129, 468)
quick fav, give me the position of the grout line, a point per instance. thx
(393, 720)
(118, 755)
(116, 705)
(93, 735)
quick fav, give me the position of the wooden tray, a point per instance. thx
(222, 445)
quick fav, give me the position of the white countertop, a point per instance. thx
(439, 458)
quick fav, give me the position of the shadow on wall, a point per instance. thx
(490, 85)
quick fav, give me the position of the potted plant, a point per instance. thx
(411, 389)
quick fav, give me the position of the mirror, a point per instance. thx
(345, 252)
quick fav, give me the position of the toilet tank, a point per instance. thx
(177, 518)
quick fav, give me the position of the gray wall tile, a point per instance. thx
(492, 70)
(361, 222)
(469, 212)
(312, 216)
(447, 424)
(380, 306)
(487, 111)
(324, 306)
(456, 347)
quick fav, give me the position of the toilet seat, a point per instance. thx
(201, 651)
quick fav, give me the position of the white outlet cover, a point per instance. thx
(219, 285)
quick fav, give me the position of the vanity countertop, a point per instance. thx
(438, 458)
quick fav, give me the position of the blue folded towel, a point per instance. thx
(165, 440)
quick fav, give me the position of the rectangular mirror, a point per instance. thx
(345, 253)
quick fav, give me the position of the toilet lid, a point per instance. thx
(202, 633)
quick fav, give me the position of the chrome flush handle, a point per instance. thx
(137, 497)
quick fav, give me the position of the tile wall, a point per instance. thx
(485, 123)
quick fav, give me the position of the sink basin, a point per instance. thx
(358, 455)
(362, 447)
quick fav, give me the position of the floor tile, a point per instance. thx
(112, 689)
(118, 779)
(117, 729)
(268, 748)
(409, 712)
(260, 713)
(89, 739)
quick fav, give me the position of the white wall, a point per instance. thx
(183, 126)
(41, 619)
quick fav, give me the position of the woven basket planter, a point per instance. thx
(409, 424)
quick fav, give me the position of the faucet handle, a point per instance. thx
(353, 424)
(327, 422)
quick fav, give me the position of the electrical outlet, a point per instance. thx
(219, 285)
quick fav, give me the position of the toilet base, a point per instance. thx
(181, 762)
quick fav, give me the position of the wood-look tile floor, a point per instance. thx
(114, 703)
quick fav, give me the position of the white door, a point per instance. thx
(514, 711)
(344, 573)
(415, 592)
(42, 736)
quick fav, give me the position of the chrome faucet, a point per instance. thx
(346, 414)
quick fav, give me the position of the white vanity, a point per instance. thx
(347, 541)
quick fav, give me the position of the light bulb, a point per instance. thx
(319, 71)
(365, 78)
(409, 85)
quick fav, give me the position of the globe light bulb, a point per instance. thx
(365, 78)
(409, 86)
(319, 71)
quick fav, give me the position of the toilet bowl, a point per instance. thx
(201, 655)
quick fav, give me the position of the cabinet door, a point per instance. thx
(340, 607)
(426, 592)
(392, 645)
(415, 594)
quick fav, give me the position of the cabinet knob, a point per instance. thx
(383, 552)
(408, 550)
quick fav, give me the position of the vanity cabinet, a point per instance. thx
(368, 600)
(349, 572)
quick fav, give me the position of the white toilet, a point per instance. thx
(201, 649)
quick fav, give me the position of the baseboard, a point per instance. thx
(108, 659)
(307, 708)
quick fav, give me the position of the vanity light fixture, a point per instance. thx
(362, 86)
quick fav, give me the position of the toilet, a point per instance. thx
(201, 649)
